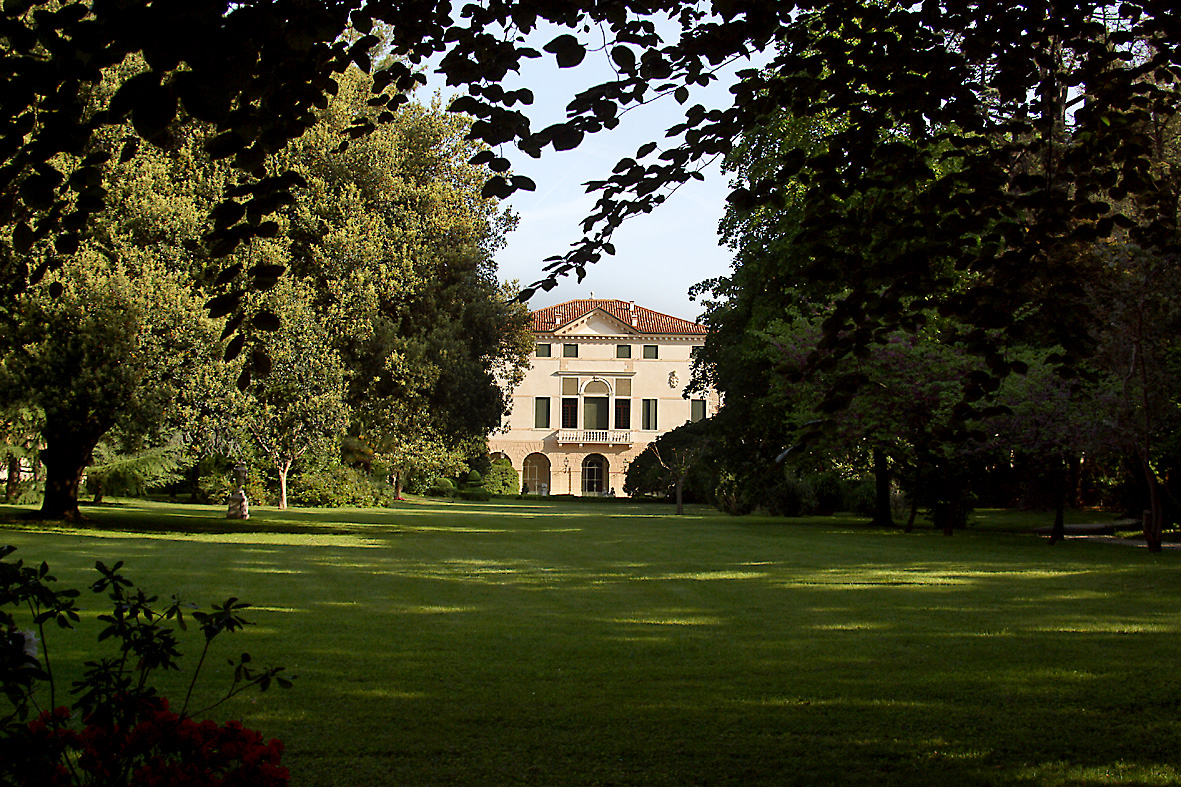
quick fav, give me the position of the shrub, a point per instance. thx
(217, 486)
(791, 495)
(442, 487)
(476, 493)
(336, 485)
(473, 478)
(862, 497)
(828, 490)
(120, 731)
(502, 478)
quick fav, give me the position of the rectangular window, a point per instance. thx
(541, 412)
(651, 351)
(623, 351)
(570, 413)
(648, 416)
(623, 413)
(595, 412)
(569, 350)
(569, 386)
(623, 387)
(697, 410)
(543, 351)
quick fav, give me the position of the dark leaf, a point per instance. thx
(22, 238)
(624, 58)
(127, 153)
(567, 49)
(223, 304)
(234, 348)
(67, 243)
(266, 271)
(567, 138)
(232, 325)
(260, 361)
(228, 275)
(266, 321)
(496, 187)
(224, 145)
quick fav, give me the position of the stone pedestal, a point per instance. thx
(239, 506)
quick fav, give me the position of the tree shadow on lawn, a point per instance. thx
(175, 519)
(830, 696)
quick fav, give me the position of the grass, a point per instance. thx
(534, 643)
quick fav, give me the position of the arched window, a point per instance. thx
(596, 405)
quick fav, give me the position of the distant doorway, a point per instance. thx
(535, 475)
(594, 471)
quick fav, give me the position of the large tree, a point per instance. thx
(396, 243)
(297, 411)
(106, 352)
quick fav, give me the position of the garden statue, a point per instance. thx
(239, 505)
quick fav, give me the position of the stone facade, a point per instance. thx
(607, 379)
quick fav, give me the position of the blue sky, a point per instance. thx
(659, 256)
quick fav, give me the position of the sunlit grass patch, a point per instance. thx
(1119, 773)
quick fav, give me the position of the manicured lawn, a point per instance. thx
(613, 644)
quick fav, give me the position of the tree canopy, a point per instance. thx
(960, 156)
(990, 83)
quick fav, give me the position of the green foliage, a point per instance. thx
(126, 471)
(216, 484)
(119, 730)
(441, 487)
(107, 352)
(683, 454)
(337, 485)
(502, 478)
(477, 493)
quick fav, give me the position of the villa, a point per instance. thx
(607, 379)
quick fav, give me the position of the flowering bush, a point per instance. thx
(160, 748)
(119, 731)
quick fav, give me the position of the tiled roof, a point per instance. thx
(643, 320)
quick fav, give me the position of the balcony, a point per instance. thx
(594, 437)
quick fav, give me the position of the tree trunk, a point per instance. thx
(397, 479)
(680, 496)
(1154, 516)
(883, 516)
(66, 456)
(284, 467)
(1061, 479)
(98, 490)
(12, 485)
(1074, 482)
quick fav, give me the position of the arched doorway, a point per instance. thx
(594, 474)
(535, 474)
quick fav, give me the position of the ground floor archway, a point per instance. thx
(594, 474)
(535, 475)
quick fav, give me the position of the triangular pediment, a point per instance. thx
(595, 323)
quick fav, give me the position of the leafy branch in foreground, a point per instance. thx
(120, 730)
